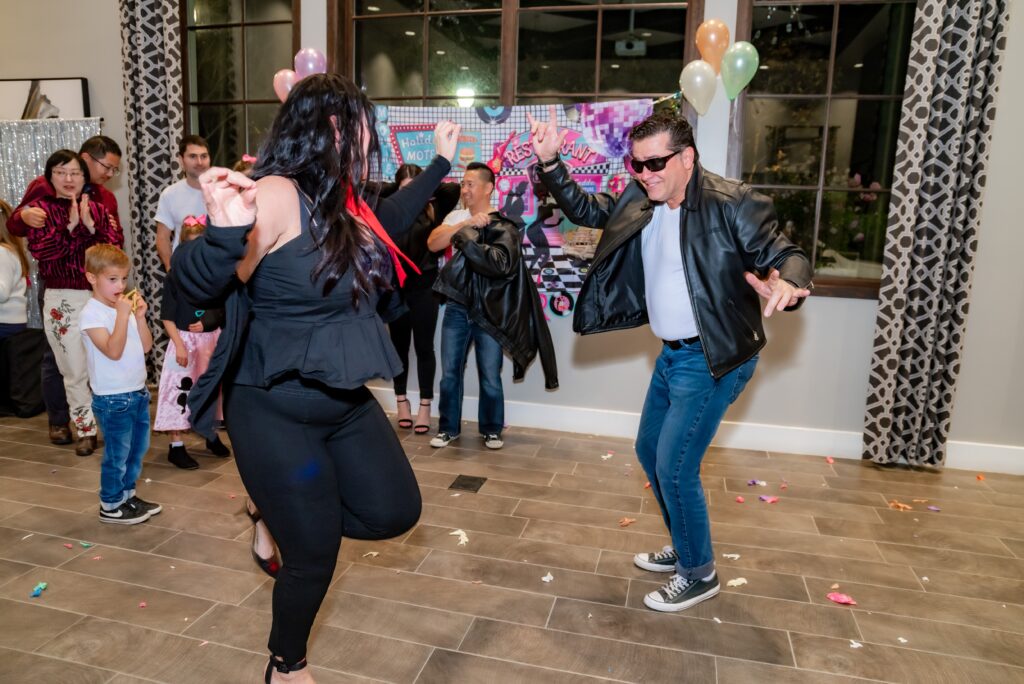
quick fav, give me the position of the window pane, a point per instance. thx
(260, 119)
(268, 10)
(852, 234)
(646, 59)
(872, 47)
(557, 51)
(463, 53)
(793, 42)
(202, 12)
(389, 57)
(218, 63)
(782, 141)
(864, 146)
(464, 4)
(547, 3)
(372, 7)
(267, 49)
(795, 210)
(223, 126)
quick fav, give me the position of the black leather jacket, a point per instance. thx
(726, 228)
(488, 276)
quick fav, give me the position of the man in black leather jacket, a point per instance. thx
(688, 252)
(492, 303)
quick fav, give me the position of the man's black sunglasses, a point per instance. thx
(655, 164)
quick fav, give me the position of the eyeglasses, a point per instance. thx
(61, 173)
(655, 164)
(112, 170)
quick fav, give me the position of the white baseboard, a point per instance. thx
(995, 458)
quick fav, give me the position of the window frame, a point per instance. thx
(827, 286)
(341, 21)
(186, 101)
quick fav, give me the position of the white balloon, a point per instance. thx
(698, 83)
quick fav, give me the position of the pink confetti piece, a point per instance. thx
(142, 604)
(844, 599)
(647, 485)
(97, 557)
(769, 499)
(784, 485)
(830, 460)
(626, 522)
(934, 508)
(68, 546)
(740, 499)
(204, 643)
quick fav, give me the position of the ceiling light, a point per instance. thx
(615, 66)
(464, 67)
(646, 34)
(858, 65)
(372, 8)
(465, 96)
(440, 52)
(410, 33)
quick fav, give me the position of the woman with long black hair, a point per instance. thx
(315, 450)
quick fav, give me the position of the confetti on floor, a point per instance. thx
(924, 579)
(605, 457)
(740, 499)
(834, 586)
(844, 599)
(898, 506)
(148, 480)
(28, 535)
(38, 590)
(769, 499)
(731, 556)
(456, 494)
(981, 477)
(784, 485)
(97, 557)
(461, 534)
(86, 545)
(934, 508)
(759, 483)
(68, 546)
(647, 485)
(626, 522)
(738, 582)
(830, 460)
(920, 500)
(717, 620)
(856, 644)
(547, 578)
(204, 643)
(371, 554)
(142, 604)
(901, 640)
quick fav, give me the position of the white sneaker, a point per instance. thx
(442, 439)
(493, 441)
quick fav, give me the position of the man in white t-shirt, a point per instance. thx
(182, 199)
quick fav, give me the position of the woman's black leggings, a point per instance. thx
(320, 464)
(417, 326)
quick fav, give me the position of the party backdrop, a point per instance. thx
(557, 252)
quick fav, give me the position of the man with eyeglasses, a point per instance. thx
(102, 156)
(688, 252)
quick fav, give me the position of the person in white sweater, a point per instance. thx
(13, 279)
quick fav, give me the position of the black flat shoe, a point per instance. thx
(279, 665)
(271, 565)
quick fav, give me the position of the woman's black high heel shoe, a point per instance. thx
(404, 423)
(279, 665)
(271, 565)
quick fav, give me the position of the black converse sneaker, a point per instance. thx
(148, 506)
(659, 561)
(680, 594)
(125, 514)
(493, 441)
(442, 439)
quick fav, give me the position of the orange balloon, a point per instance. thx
(713, 41)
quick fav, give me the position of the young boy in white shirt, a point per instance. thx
(117, 340)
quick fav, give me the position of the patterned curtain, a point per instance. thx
(154, 119)
(941, 159)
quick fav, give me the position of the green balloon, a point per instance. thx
(739, 64)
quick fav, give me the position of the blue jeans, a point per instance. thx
(683, 409)
(124, 419)
(457, 332)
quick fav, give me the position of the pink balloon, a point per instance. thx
(309, 61)
(283, 82)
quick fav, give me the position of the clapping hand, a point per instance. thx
(73, 218)
(230, 197)
(544, 135)
(446, 139)
(85, 213)
(779, 293)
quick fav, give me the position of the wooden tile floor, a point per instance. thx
(940, 595)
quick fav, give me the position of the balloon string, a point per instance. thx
(667, 97)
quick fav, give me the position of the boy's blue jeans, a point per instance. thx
(457, 333)
(684, 407)
(124, 419)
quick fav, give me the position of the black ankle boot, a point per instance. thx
(217, 447)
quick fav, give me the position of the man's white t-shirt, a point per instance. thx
(178, 201)
(107, 376)
(668, 295)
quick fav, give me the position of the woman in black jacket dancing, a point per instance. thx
(315, 450)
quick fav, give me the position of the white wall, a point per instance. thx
(70, 38)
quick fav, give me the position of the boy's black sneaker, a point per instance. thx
(217, 447)
(680, 594)
(179, 457)
(148, 506)
(657, 561)
(125, 514)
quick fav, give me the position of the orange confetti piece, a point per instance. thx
(647, 485)
(980, 477)
(626, 522)
(896, 505)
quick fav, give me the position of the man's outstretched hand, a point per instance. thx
(779, 293)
